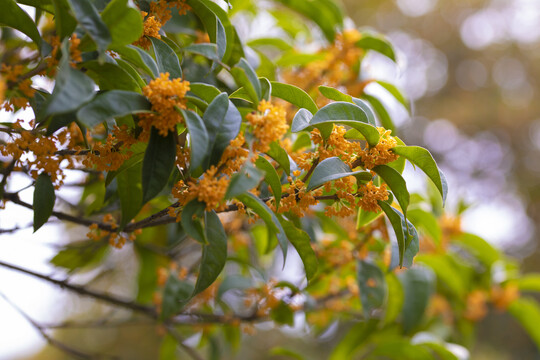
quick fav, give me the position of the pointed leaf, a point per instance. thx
(198, 142)
(294, 95)
(245, 76)
(166, 59)
(302, 243)
(271, 177)
(89, 19)
(158, 163)
(338, 110)
(191, 226)
(246, 179)
(129, 189)
(332, 169)
(44, 199)
(139, 58)
(397, 184)
(279, 154)
(376, 43)
(13, 16)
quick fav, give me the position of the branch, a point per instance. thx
(51, 341)
(192, 353)
(143, 309)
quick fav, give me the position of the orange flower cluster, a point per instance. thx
(10, 75)
(164, 94)
(269, 124)
(476, 306)
(345, 188)
(116, 239)
(370, 195)
(160, 13)
(112, 153)
(3, 88)
(381, 154)
(336, 145)
(298, 200)
(74, 53)
(503, 296)
(234, 156)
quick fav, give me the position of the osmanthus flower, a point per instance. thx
(380, 154)
(112, 153)
(503, 295)
(269, 123)
(476, 305)
(164, 94)
(370, 195)
(336, 145)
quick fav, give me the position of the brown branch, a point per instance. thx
(81, 290)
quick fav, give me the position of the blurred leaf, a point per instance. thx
(294, 95)
(373, 288)
(418, 285)
(529, 282)
(426, 221)
(399, 349)
(112, 104)
(334, 94)
(234, 282)
(394, 300)
(527, 313)
(395, 92)
(479, 248)
(448, 276)
(378, 43)
(282, 314)
(44, 199)
(382, 113)
(423, 159)
(80, 254)
(15, 17)
(124, 22)
(166, 59)
(175, 295)
(277, 43)
(283, 352)
(158, 163)
(64, 21)
(354, 339)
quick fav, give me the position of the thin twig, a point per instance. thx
(192, 353)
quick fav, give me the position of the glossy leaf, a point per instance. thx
(246, 179)
(397, 185)
(139, 58)
(334, 94)
(271, 177)
(382, 113)
(199, 143)
(191, 225)
(332, 169)
(423, 159)
(44, 198)
(294, 95)
(204, 91)
(279, 154)
(110, 105)
(302, 243)
(158, 163)
(245, 76)
(89, 19)
(129, 189)
(214, 253)
(395, 221)
(15, 17)
(166, 59)
(209, 51)
(109, 76)
(337, 111)
(395, 92)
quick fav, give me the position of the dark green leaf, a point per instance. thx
(395, 221)
(245, 76)
(222, 120)
(175, 295)
(110, 105)
(271, 177)
(198, 141)
(158, 163)
(128, 68)
(129, 188)
(193, 227)
(204, 91)
(13, 16)
(166, 59)
(282, 314)
(109, 76)
(139, 58)
(302, 243)
(372, 286)
(332, 169)
(65, 22)
(89, 19)
(124, 22)
(397, 185)
(418, 285)
(214, 253)
(246, 179)
(423, 159)
(44, 199)
(294, 95)
(209, 50)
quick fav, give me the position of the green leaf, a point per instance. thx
(44, 199)
(301, 120)
(282, 314)
(302, 141)
(191, 226)
(366, 217)
(266, 88)
(423, 159)
(372, 286)
(527, 313)
(339, 110)
(334, 94)
(139, 58)
(302, 243)
(440, 350)
(332, 169)
(214, 253)
(234, 282)
(198, 139)
(529, 282)
(270, 219)
(246, 179)
(382, 113)
(109, 76)
(354, 339)
(377, 43)
(425, 220)
(13, 16)
(72, 89)
(396, 93)
(128, 68)
(418, 285)
(166, 58)
(271, 177)
(294, 95)
(245, 76)
(129, 189)
(138, 150)
(209, 51)
(279, 154)
(89, 19)
(394, 300)
(277, 43)
(446, 273)
(80, 254)
(112, 104)
(397, 184)
(204, 91)
(175, 295)
(395, 221)
(222, 120)
(124, 22)
(479, 248)
(158, 163)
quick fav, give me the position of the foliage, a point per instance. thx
(214, 159)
